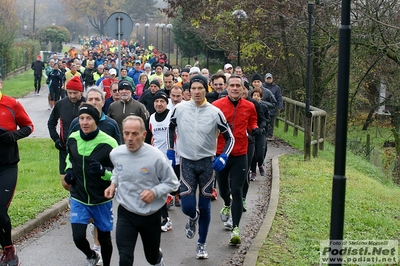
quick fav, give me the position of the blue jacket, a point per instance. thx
(135, 75)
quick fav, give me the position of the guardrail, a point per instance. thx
(313, 124)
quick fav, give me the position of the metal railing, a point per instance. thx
(313, 124)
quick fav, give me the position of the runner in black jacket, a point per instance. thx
(65, 110)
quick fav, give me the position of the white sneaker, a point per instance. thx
(201, 251)
(229, 224)
(91, 229)
(166, 225)
(98, 249)
(93, 261)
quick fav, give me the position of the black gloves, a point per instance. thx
(256, 132)
(7, 137)
(96, 168)
(69, 177)
(59, 145)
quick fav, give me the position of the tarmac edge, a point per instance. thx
(252, 253)
(41, 218)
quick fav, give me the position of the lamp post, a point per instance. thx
(137, 31)
(162, 25)
(238, 16)
(342, 108)
(157, 26)
(34, 17)
(146, 28)
(169, 28)
(308, 87)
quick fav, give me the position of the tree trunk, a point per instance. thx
(396, 169)
(369, 119)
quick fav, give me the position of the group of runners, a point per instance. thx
(151, 136)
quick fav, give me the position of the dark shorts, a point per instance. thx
(196, 173)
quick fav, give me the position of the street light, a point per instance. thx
(34, 17)
(238, 16)
(137, 31)
(157, 26)
(146, 28)
(169, 28)
(162, 25)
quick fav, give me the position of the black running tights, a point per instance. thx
(81, 242)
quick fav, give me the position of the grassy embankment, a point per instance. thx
(303, 215)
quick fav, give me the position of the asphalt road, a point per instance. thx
(55, 246)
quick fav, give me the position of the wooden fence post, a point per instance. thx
(296, 120)
(287, 118)
(316, 131)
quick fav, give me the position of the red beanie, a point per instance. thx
(75, 84)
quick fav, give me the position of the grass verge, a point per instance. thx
(303, 215)
(39, 184)
(20, 85)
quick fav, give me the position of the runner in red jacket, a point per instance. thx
(15, 124)
(242, 119)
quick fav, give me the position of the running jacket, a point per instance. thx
(241, 118)
(89, 189)
(106, 124)
(105, 85)
(119, 110)
(12, 116)
(197, 129)
(66, 111)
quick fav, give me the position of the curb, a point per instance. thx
(252, 254)
(41, 218)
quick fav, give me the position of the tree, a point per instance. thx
(96, 12)
(8, 27)
(56, 35)
(188, 41)
(139, 10)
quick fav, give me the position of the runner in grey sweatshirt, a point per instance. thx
(143, 176)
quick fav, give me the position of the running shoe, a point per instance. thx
(201, 251)
(166, 225)
(244, 205)
(9, 257)
(190, 228)
(229, 224)
(170, 201)
(91, 229)
(235, 238)
(98, 249)
(177, 201)
(261, 169)
(225, 213)
(214, 194)
(93, 260)
(161, 263)
(253, 177)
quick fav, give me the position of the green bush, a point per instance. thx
(20, 54)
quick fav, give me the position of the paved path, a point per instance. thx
(55, 246)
